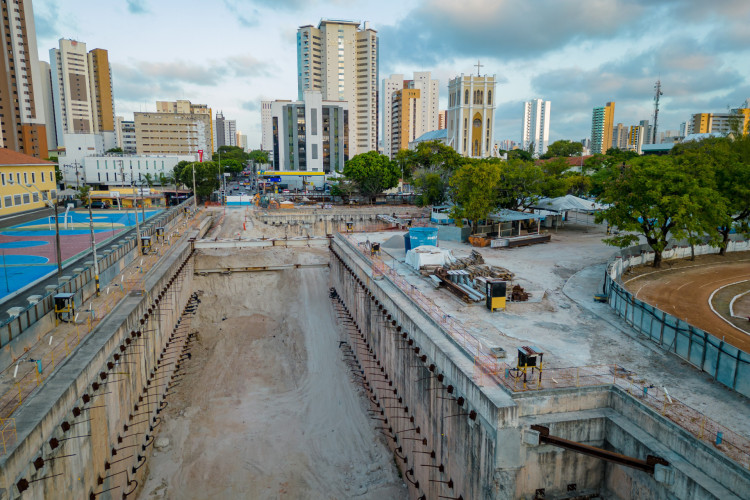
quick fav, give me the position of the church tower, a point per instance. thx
(471, 115)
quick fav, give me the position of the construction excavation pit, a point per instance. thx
(284, 354)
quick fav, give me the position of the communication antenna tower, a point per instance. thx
(658, 93)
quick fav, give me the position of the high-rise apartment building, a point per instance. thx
(312, 135)
(45, 74)
(648, 131)
(636, 137)
(429, 95)
(82, 92)
(601, 128)
(22, 127)
(536, 114)
(620, 136)
(176, 128)
(471, 115)
(266, 128)
(406, 119)
(721, 123)
(102, 99)
(126, 135)
(340, 60)
(225, 131)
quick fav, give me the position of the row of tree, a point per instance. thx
(700, 191)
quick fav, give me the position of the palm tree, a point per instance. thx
(149, 180)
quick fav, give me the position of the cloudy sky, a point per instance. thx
(231, 54)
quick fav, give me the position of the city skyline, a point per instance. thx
(602, 53)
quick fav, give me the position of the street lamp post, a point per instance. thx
(93, 247)
(49, 203)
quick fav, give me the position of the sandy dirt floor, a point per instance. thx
(268, 410)
(685, 287)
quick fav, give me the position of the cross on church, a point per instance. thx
(478, 66)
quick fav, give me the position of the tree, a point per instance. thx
(521, 184)
(729, 161)
(372, 172)
(657, 198)
(563, 148)
(344, 188)
(432, 188)
(114, 150)
(84, 194)
(475, 191)
(206, 177)
(555, 184)
(519, 154)
(149, 179)
(231, 165)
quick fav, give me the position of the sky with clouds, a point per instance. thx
(231, 54)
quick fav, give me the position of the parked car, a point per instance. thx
(100, 204)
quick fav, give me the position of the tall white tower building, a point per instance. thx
(71, 89)
(429, 95)
(536, 125)
(340, 60)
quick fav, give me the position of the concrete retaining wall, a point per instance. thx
(109, 391)
(485, 457)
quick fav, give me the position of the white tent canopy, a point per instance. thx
(568, 202)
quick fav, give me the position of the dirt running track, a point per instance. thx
(684, 293)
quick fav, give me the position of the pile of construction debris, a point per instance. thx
(467, 277)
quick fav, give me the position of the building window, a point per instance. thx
(8, 201)
(489, 98)
(33, 177)
(25, 178)
(466, 97)
(42, 177)
(314, 151)
(35, 197)
(18, 177)
(2, 179)
(16, 199)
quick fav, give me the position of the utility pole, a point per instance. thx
(658, 93)
(135, 209)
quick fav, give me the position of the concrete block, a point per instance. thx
(13, 312)
(530, 438)
(33, 299)
(64, 279)
(78, 270)
(664, 474)
(50, 288)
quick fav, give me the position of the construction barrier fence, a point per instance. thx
(723, 362)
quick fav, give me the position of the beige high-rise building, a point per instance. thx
(429, 120)
(22, 127)
(406, 116)
(71, 89)
(442, 119)
(82, 92)
(471, 115)
(100, 82)
(620, 136)
(340, 60)
(176, 128)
